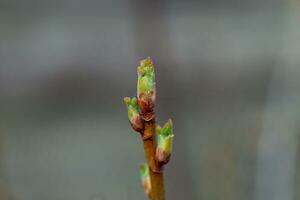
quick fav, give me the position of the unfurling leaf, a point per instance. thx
(146, 90)
(164, 142)
(133, 114)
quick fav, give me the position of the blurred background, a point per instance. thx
(227, 73)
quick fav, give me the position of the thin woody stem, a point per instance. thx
(142, 118)
(156, 174)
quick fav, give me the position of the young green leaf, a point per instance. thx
(164, 142)
(133, 114)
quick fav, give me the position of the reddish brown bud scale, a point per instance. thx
(146, 103)
(138, 124)
(162, 156)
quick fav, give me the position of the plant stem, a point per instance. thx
(156, 175)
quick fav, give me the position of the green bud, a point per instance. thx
(164, 142)
(133, 113)
(145, 178)
(144, 171)
(146, 77)
(146, 89)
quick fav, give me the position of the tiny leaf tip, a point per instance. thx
(158, 127)
(146, 62)
(126, 100)
(170, 122)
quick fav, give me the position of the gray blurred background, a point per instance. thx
(227, 73)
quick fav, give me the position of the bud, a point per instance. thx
(133, 114)
(145, 178)
(164, 142)
(146, 89)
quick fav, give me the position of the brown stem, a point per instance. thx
(156, 174)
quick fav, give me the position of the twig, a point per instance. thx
(142, 118)
(156, 173)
